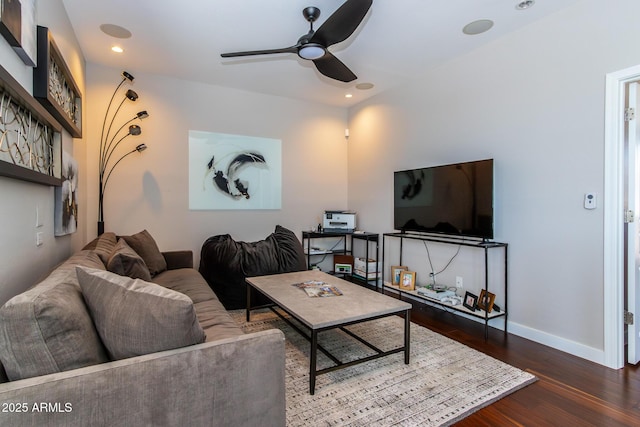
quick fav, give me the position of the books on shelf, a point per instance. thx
(316, 288)
(316, 251)
(361, 274)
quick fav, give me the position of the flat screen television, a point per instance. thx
(454, 199)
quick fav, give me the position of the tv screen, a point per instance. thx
(454, 199)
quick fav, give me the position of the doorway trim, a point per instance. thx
(613, 280)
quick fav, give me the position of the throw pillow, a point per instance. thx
(134, 317)
(146, 247)
(105, 244)
(126, 262)
(48, 328)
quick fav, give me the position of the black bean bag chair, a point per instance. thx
(225, 263)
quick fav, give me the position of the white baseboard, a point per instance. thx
(576, 349)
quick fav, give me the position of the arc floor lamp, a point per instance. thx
(110, 141)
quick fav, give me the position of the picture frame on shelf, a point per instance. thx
(470, 301)
(486, 300)
(54, 86)
(396, 271)
(407, 280)
(34, 156)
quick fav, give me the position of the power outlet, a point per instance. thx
(39, 238)
(458, 281)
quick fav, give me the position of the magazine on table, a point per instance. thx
(317, 288)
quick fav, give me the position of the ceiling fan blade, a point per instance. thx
(333, 68)
(291, 49)
(342, 23)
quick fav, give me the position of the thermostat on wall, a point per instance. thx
(590, 201)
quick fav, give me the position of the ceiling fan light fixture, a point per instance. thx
(311, 51)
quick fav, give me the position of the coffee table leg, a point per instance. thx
(312, 362)
(407, 338)
(248, 302)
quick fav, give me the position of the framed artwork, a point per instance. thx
(66, 201)
(229, 172)
(407, 280)
(486, 300)
(396, 270)
(54, 87)
(30, 143)
(28, 49)
(18, 27)
(470, 301)
(11, 21)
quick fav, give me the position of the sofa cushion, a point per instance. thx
(47, 328)
(216, 321)
(146, 247)
(186, 281)
(134, 317)
(104, 246)
(126, 262)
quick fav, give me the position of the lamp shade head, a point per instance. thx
(135, 130)
(127, 76)
(132, 95)
(311, 51)
(142, 114)
(140, 148)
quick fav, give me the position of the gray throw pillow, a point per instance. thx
(105, 244)
(134, 317)
(146, 247)
(126, 262)
(48, 328)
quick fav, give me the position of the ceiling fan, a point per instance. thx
(313, 45)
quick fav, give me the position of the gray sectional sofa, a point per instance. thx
(95, 344)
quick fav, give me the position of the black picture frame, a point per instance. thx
(65, 106)
(11, 22)
(470, 301)
(11, 89)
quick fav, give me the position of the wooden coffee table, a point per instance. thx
(317, 314)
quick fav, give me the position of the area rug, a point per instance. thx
(444, 382)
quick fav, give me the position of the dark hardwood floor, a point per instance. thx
(570, 391)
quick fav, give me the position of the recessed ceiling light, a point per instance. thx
(115, 31)
(117, 49)
(525, 4)
(348, 95)
(364, 86)
(477, 27)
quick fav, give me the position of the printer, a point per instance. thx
(339, 222)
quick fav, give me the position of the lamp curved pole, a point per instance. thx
(143, 114)
(106, 147)
(125, 76)
(140, 148)
(113, 118)
(131, 95)
(110, 153)
(104, 150)
(103, 182)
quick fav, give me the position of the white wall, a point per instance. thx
(150, 190)
(21, 262)
(533, 101)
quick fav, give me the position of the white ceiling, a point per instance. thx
(396, 42)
